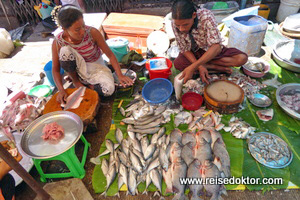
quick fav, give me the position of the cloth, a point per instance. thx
(205, 34)
(132, 56)
(7, 185)
(94, 73)
(73, 2)
(88, 49)
(181, 62)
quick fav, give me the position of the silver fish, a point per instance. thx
(119, 135)
(117, 161)
(149, 151)
(220, 152)
(135, 106)
(128, 120)
(148, 182)
(152, 165)
(132, 184)
(109, 145)
(139, 136)
(110, 177)
(179, 170)
(145, 131)
(211, 171)
(161, 132)
(156, 180)
(214, 136)
(202, 151)
(175, 151)
(140, 155)
(96, 160)
(163, 159)
(188, 137)
(124, 173)
(104, 166)
(159, 110)
(123, 158)
(162, 140)
(176, 136)
(168, 139)
(183, 118)
(122, 111)
(178, 84)
(144, 144)
(136, 145)
(154, 138)
(120, 184)
(155, 154)
(187, 153)
(129, 114)
(131, 134)
(150, 125)
(136, 163)
(125, 146)
(194, 172)
(203, 134)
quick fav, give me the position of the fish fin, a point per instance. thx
(145, 192)
(118, 195)
(104, 193)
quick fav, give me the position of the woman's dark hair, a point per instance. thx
(183, 9)
(66, 15)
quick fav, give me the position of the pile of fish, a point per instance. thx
(239, 128)
(199, 119)
(144, 118)
(292, 100)
(18, 114)
(169, 157)
(269, 149)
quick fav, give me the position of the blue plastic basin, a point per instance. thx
(48, 72)
(157, 90)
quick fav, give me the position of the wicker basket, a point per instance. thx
(223, 107)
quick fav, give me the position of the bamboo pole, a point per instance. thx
(5, 13)
(41, 193)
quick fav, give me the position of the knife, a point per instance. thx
(74, 97)
(118, 108)
(204, 115)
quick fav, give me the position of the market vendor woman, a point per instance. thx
(200, 42)
(78, 50)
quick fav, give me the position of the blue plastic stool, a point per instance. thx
(70, 159)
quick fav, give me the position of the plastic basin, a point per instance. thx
(164, 73)
(191, 101)
(157, 90)
(48, 72)
(255, 74)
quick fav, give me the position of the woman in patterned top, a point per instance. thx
(78, 50)
(200, 42)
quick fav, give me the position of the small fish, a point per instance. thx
(119, 135)
(128, 120)
(145, 131)
(150, 125)
(163, 159)
(155, 163)
(183, 118)
(124, 159)
(122, 111)
(144, 144)
(149, 151)
(124, 173)
(132, 183)
(109, 145)
(156, 180)
(178, 84)
(104, 167)
(159, 110)
(136, 163)
(161, 132)
(125, 146)
(154, 138)
(110, 177)
(148, 182)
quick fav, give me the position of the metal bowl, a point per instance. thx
(283, 89)
(34, 146)
(130, 73)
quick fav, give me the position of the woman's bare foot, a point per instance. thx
(218, 68)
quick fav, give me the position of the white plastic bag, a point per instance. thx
(6, 44)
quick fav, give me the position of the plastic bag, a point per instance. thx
(6, 44)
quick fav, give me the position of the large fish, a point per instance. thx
(214, 136)
(203, 134)
(188, 137)
(73, 101)
(187, 153)
(194, 172)
(222, 156)
(179, 170)
(175, 151)
(202, 151)
(176, 136)
(168, 180)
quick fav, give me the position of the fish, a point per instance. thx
(214, 136)
(148, 182)
(128, 120)
(120, 184)
(131, 135)
(135, 106)
(136, 145)
(205, 134)
(104, 167)
(167, 175)
(132, 184)
(221, 153)
(73, 101)
(140, 155)
(109, 145)
(154, 163)
(179, 170)
(119, 135)
(176, 136)
(265, 115)
(211, 171)
(125, 146)
(162, 141)
(188, 137)
(110, 177)
(159, 110)
(96, 159)
(187, 153)
(161, 132)
(194, 172)
(156, 180)
(202, 151)
(136, 163)
(124, 159)
(122, 111)
(163, 159)
(149, 151)
(144, 144)
(178, 84)
(145, 131)
(155, 123)
(117, 161)
(183, 118)
(144, 111)
(175, 151)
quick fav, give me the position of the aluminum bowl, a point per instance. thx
(283, 89)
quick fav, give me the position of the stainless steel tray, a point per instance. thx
(283, 89)
(279, 163)
(34, 146)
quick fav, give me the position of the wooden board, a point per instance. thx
(87, 109)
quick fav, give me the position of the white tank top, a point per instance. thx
(73, 2)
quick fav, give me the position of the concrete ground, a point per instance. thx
(23, 69)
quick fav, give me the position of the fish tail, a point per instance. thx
(118, 195)
(195, 197)
(145, 192)
(156, 194)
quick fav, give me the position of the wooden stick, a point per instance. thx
(5, 13)
(41, 193)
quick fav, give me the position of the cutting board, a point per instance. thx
(86, 111)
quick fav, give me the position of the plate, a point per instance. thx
(265, 139)
(283, 89)
(26, 161)
(33, 144)
(158, 42)
(40, 91)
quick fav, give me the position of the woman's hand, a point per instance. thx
(62, 97)
(203, 74)
(187, 74)
(125, 80)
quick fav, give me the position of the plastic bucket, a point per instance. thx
(48, 72)
(287, 8)
(263, 11)
(119, 46)
(164, 73)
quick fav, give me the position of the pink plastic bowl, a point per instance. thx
(257, 74)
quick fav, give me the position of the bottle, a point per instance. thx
(138, 45)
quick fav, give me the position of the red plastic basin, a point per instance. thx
(191, 101)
